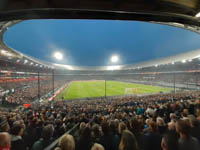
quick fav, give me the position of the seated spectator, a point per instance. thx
(66, 143)
(128, 141)
(16, 136)
(97, 146)
(46, 139)
(170, 141)
(5, 141)
(186, 141)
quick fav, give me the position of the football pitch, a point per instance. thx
(84, 89)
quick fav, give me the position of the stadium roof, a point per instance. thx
(179, 13)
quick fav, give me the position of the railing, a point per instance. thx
(54, 144)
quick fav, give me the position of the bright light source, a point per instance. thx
(190, 60)
(183, 61)
(156, 65)
(197, 15)
(172, 63)
(58, 55)
(25, 61)
(114, 59)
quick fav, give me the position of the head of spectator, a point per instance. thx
(136, 126)
(105, 127)
(153, 127)
(86, 134)
(169, 141)
(5, 141)
(97, 146)
(183, 128)
(160, 121)
(198, 113)
(47, 132)
(122, 126)
(17, 129)
(82, 125)
(128, 141)
(66, 143)
(185, 112)
(173, 117)
(193, 121)
(96, 130)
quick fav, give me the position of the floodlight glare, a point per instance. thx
(114, 59)
(183, 61)
(58, 55)
(197, 15)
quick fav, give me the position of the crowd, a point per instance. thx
(27, 91)
(154, 122)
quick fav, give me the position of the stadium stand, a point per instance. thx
(161, 121)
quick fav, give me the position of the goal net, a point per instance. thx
(131, 91)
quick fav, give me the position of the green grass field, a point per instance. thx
(83, 89)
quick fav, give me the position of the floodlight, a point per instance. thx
(58, 55)
(114, 59)
(183, 61)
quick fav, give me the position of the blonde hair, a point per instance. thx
(128, 141)
(66, 143)
(121, 127)
(97, 146)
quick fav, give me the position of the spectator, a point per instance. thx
(97, 147)
(170, 141)
(186, 141)
(136, 129)
(5, 141)
(85, 141)
(106, 140)
(152, 138)
(16, 136)
(122, 126)
(66, 143)
(162, 128)
(195, 127)
(96, 133)
(128, 141)
(46, 139)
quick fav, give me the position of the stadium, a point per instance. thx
(151, 104)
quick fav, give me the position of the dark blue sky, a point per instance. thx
(93, 42)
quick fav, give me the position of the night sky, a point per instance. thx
(93, 42)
